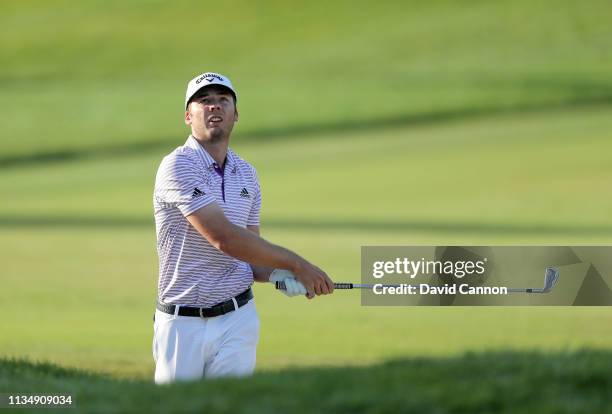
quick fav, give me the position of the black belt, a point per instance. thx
(216, 310)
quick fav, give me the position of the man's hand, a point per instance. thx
(292, 286)
(314, 279)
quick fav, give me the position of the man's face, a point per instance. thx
(212, 113)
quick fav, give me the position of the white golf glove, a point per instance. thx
(292, 286)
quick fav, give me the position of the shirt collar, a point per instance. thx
(206, 158)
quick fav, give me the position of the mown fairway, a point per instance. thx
(109, 75)
(88, 230)
(403, 124)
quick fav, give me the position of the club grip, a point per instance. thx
(281, 285)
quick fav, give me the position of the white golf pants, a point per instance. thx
(189, 348)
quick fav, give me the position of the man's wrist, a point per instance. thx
(297, 265)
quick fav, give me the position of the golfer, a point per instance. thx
(207, 201)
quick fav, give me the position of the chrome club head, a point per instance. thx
(550, 279)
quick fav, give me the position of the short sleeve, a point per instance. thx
(253, 219)
(179, 184)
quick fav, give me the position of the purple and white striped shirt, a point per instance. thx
(191, 271)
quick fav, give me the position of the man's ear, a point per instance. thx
(236, 115)
(187, 117)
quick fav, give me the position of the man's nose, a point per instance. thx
(214, 106)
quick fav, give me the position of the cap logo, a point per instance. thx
(209, 77)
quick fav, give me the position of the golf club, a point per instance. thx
(551, 276)
(281, 286)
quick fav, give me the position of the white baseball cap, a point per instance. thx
(205, 79)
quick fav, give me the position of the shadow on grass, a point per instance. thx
(598, 97)
(394, 226)
(512, 382)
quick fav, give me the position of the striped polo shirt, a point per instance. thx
(191, 271)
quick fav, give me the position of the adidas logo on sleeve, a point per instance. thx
(197, 193)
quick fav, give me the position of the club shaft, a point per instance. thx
(551, 278)
(281, 286)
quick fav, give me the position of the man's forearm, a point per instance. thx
(241, 243)
(249, 247)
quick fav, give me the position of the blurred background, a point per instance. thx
(408, 122)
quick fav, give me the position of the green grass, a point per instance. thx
(504, 382)
(100, 75)
(441, 123)
(69, 312)
(493, 177)
(74, 232)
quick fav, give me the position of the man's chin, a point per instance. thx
(215, 134)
